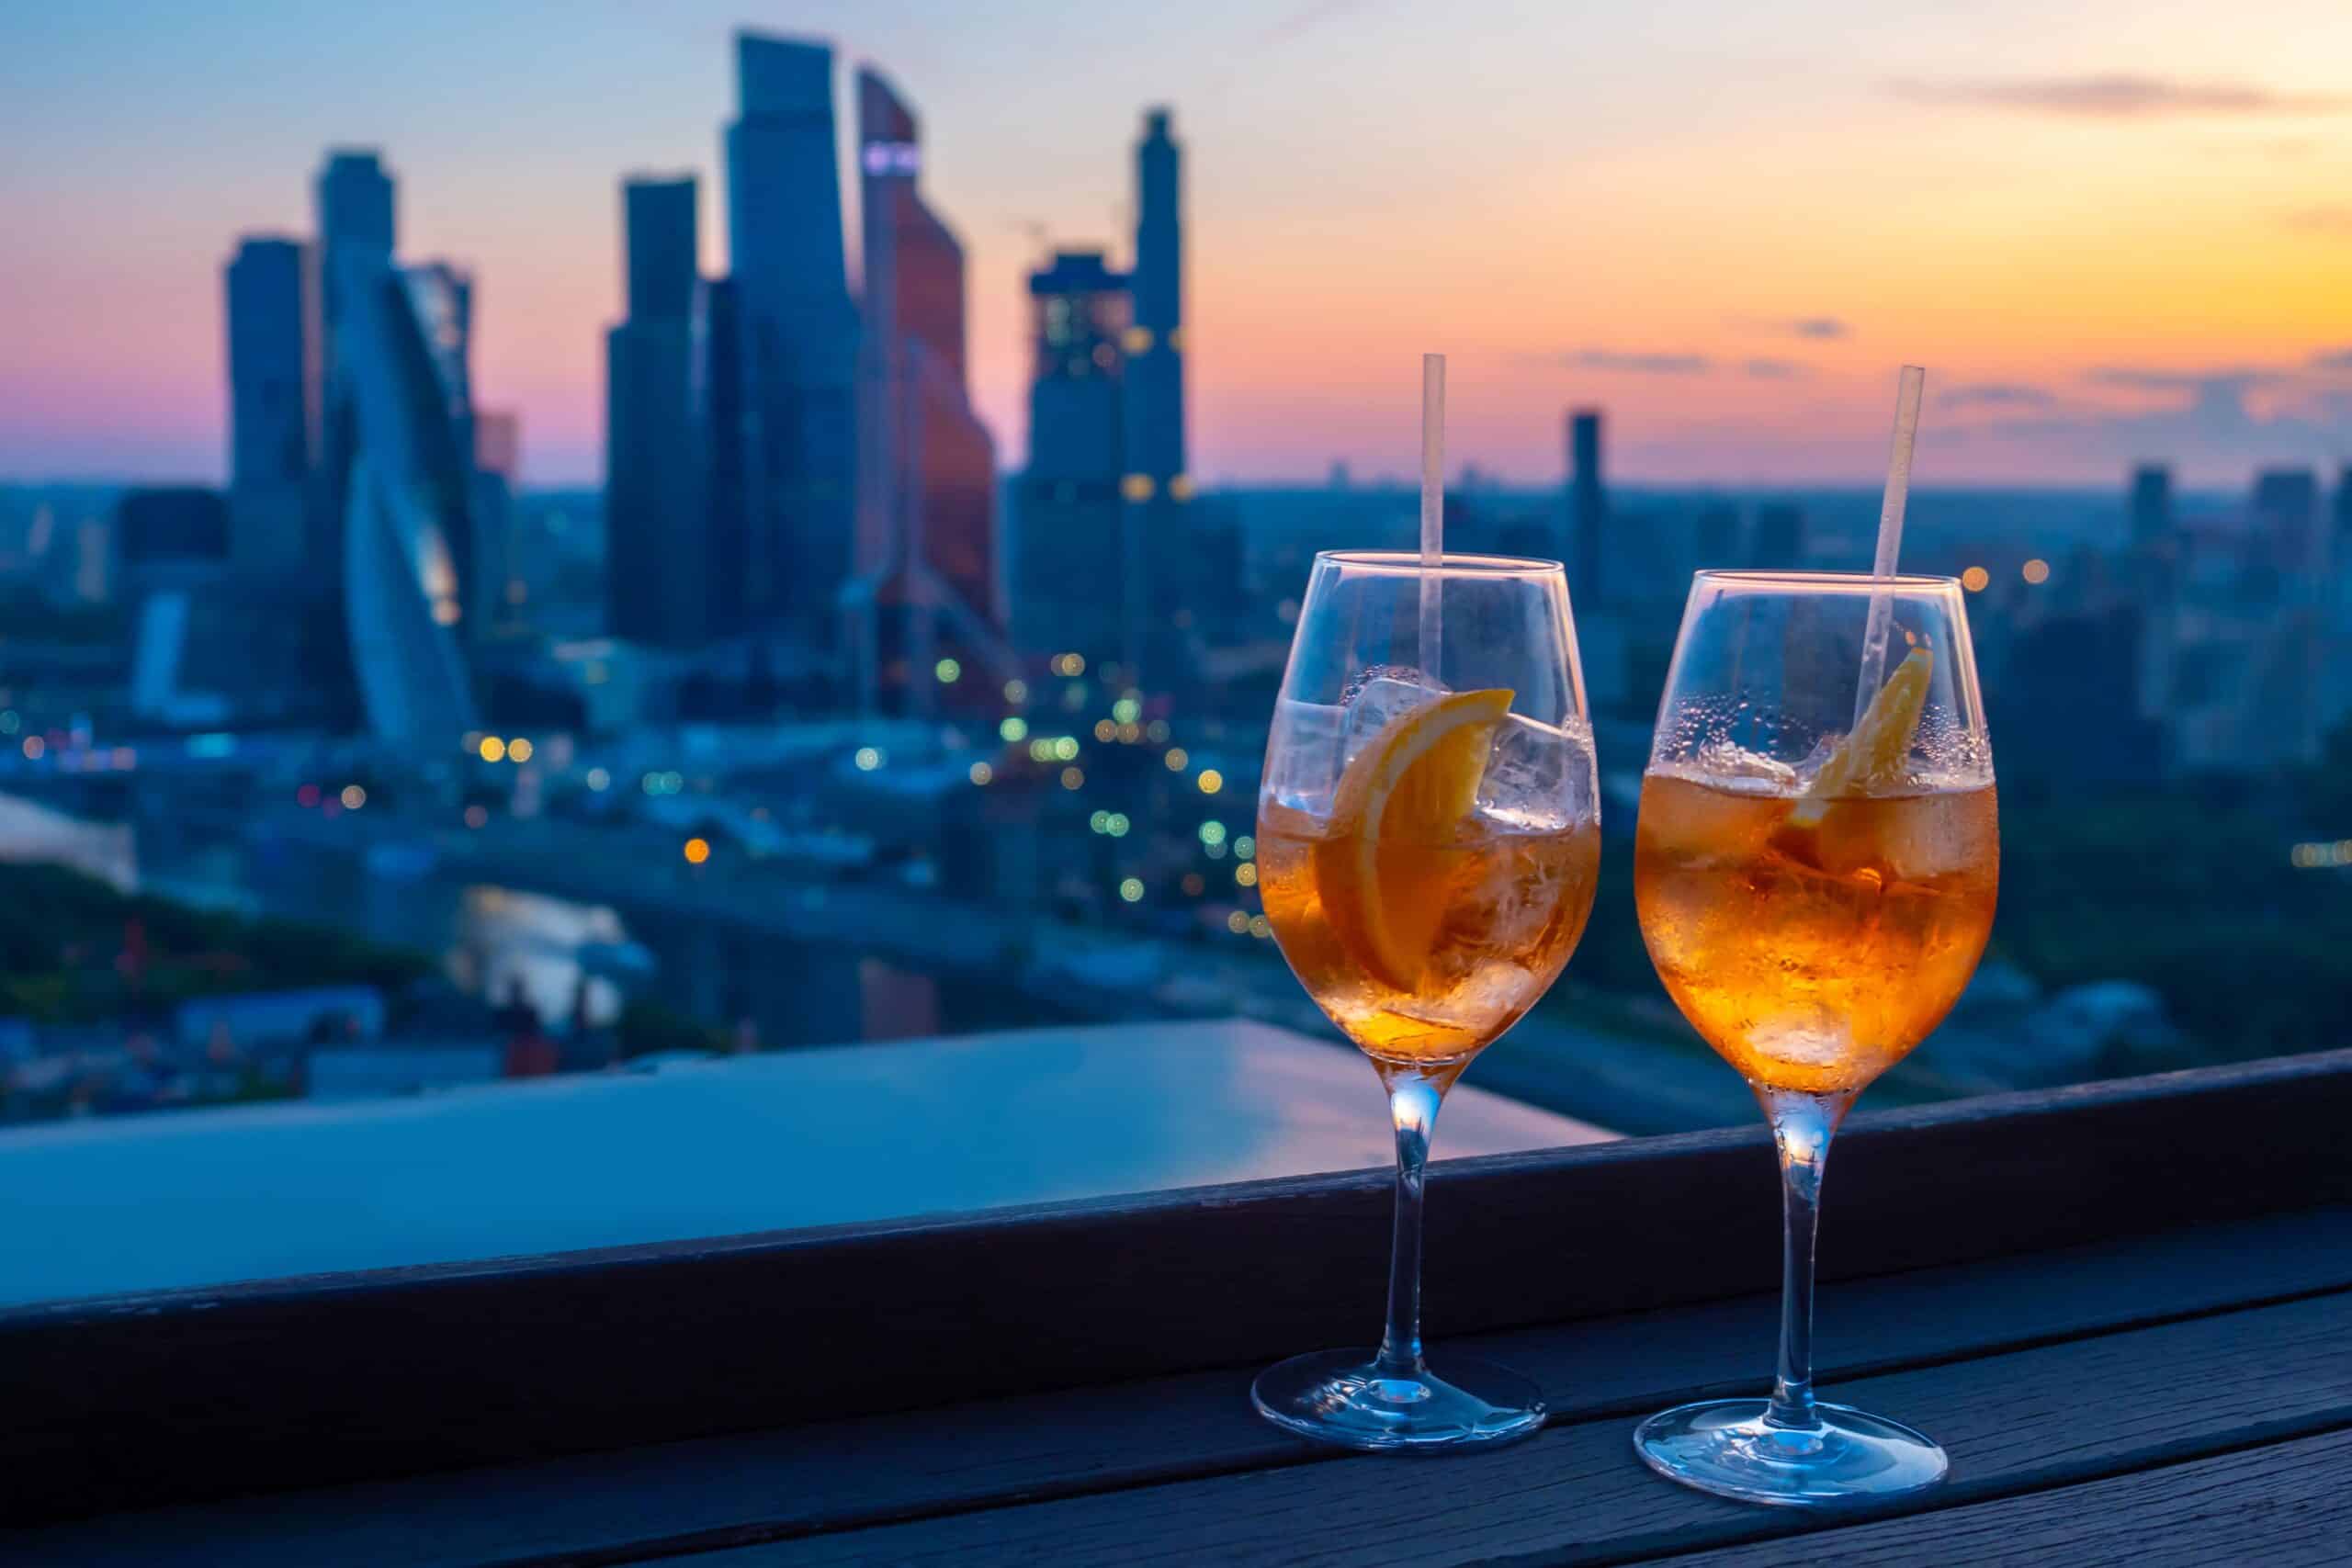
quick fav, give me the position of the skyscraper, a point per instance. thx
(355, 214)
(403, 392)
(2286, 510)
(657, 534)
(927, 565)
(799, 335)
(1156, 485)
(1587, 506)
(1068, 541)
(270, 418)
(2151, 503)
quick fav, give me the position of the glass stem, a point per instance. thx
(1414, 1096)
(1802, 1125)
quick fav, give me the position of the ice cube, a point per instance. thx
(1373, 698)
(1725, 761)
(1539, 776)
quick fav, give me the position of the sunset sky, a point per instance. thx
(2114, 228)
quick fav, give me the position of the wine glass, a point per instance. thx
(1428, 840)
(1815, 867)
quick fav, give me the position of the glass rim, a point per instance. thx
(1823, 582)
(1453, 563)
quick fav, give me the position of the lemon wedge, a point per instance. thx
(1873, 753)
(1383, 869)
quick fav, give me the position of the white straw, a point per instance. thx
(1890, 537)
(1432, 513)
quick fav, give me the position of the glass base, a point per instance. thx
(1335, 1396)
(1725, 1446)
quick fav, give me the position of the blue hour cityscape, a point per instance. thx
(823, 719)
(740, 743)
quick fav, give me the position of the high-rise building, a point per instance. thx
(2286, 512)
(1155, 486)
(1070, 548)
(659, 254)
(403, 337)
(719, 414)
(356, 208)
(2151, 503)
(497, 585)
(927, 576)
(657, 535)
(1588, 507)
(799, 335)
(269, 416)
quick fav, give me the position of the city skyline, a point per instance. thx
(2130, 252)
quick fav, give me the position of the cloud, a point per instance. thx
(2336, 220)
(2116, 96)
(1638, 364)
(1628, 363)
(1307, 19)
(1820, 327)
(1996, 394)
(2236, 380)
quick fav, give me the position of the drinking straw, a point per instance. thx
(1890, 537)
(1433, 513)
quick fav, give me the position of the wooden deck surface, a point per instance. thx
(2178, 1397)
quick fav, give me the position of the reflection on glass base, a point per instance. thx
(1335, 1396)
(1726, 1446)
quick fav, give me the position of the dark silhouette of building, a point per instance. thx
(927, 584)
(1714, 536)
(657, 537)
(1587, 506)
(355, 213)
(2286, 512)
(1777, 543)
(1070, 571)
(1155, 486)
(2151, 503)
(800, 336)
(269, 401)
(719, 416)
(163, 525)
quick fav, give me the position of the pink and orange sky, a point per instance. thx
(2114, 230)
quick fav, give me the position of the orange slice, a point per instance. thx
(1873, 753)
(1384, 868)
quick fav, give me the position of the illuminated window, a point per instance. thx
(1974, 579)
(2036, 570)
(1136, 487)
(1137, 340)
